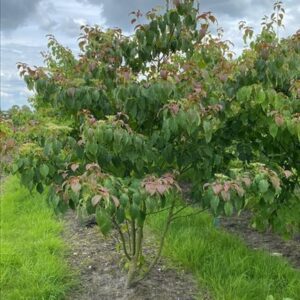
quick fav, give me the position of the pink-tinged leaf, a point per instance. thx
(104, 192)
(126, 75)
(150, 188)
(240, 191)
(202, 16)
(115, 200)
(66, 197)
(176, 2)
(75, 184)
(76, 187)
(275, 182)
(161, 188)
(174, 108)
(225, 195)
(205, 185)
(212, 19)
(91, 166)
(226, 186)
(168, 178)
(74, 167)
(247, 181)
(217, 188)
(96, 199)
(279, 120)
(64, 175)
(10, 143)
(287, 173)
(133, 21)
(164, 74)
(92, 66)
(80, 142)
(154, 185)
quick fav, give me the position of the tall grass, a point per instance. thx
(32, 264)
(223, 264)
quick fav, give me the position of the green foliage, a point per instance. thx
(163, 103)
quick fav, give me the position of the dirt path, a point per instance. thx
(268, 241)
(102, 277)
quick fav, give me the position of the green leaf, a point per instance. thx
(55, 200)
(44, 170)
(214, 203)
(15, 168)
(228, 209)
(40, 188)
(120, 215)
(92, 148)
(261, 96)
(206, 126)
(174, 17)
(269, 197)
(273, 129)
(150, 203)
(263, 186)
(103, 221)
(124, 199)
(207, 130)
(244, 94)
(108, 135)
(136, 198)
(134, 211)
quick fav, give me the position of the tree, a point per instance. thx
(165, 104)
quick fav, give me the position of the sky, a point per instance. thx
(25, 24)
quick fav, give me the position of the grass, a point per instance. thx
(32, 262)
(223, 264)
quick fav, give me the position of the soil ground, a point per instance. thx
(103, 278)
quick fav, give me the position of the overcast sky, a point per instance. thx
(25, 24)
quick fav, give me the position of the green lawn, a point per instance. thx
(32, 251)
(223, 264)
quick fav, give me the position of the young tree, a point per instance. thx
(164, 104)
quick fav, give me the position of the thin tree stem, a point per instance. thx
(133, 237)
(162, 240)
(134, 262)
(122, 240)
(191, 214)
(129, 238)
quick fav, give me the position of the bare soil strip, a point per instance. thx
(102, 276)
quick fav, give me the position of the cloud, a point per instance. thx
(13, 88)
(14, 13)
(13, 91)
(116, 12)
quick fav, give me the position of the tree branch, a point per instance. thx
(191, 214)
(123, 240)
